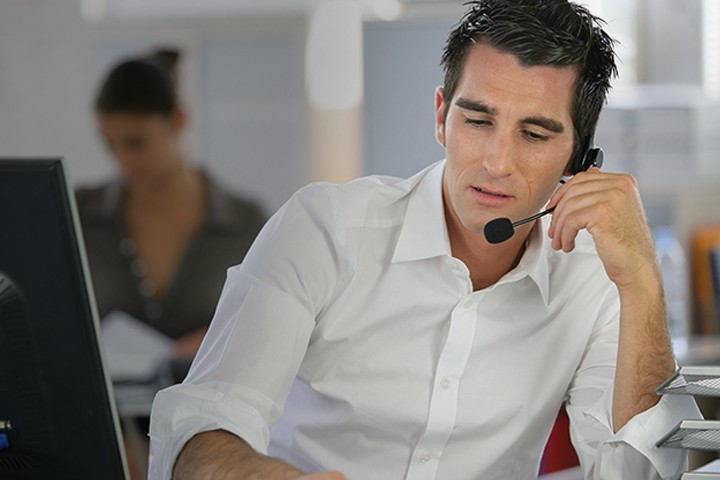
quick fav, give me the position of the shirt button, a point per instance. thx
(445, 384)
(469, 304)
(425, 457)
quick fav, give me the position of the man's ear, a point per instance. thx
(440, 108)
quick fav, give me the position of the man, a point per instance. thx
(373, 331)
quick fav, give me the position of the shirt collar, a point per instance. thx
(534, 262)
(424, 232)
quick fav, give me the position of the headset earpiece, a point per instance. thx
(593, 158)
(588, 156)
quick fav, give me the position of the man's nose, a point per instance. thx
(500, 158)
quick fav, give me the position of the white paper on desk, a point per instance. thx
(133, 349)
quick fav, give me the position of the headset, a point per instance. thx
(587, 156)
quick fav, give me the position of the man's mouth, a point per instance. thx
(490, 192)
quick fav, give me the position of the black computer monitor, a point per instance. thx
(57, 414)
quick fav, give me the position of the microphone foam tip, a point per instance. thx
(498, 230)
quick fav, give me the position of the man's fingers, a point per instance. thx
(581, 182)
(571, 217)
(587, 190)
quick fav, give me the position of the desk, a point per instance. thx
(134, 400)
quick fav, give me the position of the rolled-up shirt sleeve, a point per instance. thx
(630, 452)
(256, 342)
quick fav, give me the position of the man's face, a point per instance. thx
(508, 136)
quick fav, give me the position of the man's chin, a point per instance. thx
(476, 227)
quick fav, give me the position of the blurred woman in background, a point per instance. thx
(161, 236)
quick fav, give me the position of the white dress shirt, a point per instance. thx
(351, 339)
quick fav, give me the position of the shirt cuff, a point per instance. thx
(182, 411)
(645, 429)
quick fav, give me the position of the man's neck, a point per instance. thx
(487, 263)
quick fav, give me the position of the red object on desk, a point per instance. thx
(559, 451)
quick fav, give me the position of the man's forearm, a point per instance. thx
(220, 455)
(645, 356)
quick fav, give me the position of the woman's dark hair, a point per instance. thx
(550, 32)
(144, 85)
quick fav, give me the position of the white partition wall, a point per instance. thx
(402, 69)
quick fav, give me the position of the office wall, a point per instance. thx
(402, 70)
(670, 41)
(243, 81)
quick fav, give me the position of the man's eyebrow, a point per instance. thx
(546, 123)
(475, 106)
(482, 107)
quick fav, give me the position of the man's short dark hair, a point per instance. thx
(539, 32)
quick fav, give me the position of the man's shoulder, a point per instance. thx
(366, 185)
(361, 200)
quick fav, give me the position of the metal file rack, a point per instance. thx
(703, 381)
(694, 434)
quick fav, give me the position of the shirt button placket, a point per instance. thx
(442, 414)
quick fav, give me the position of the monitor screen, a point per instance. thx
(57, 414)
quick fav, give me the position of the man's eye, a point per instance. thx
(476, 122)
(536, 137)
